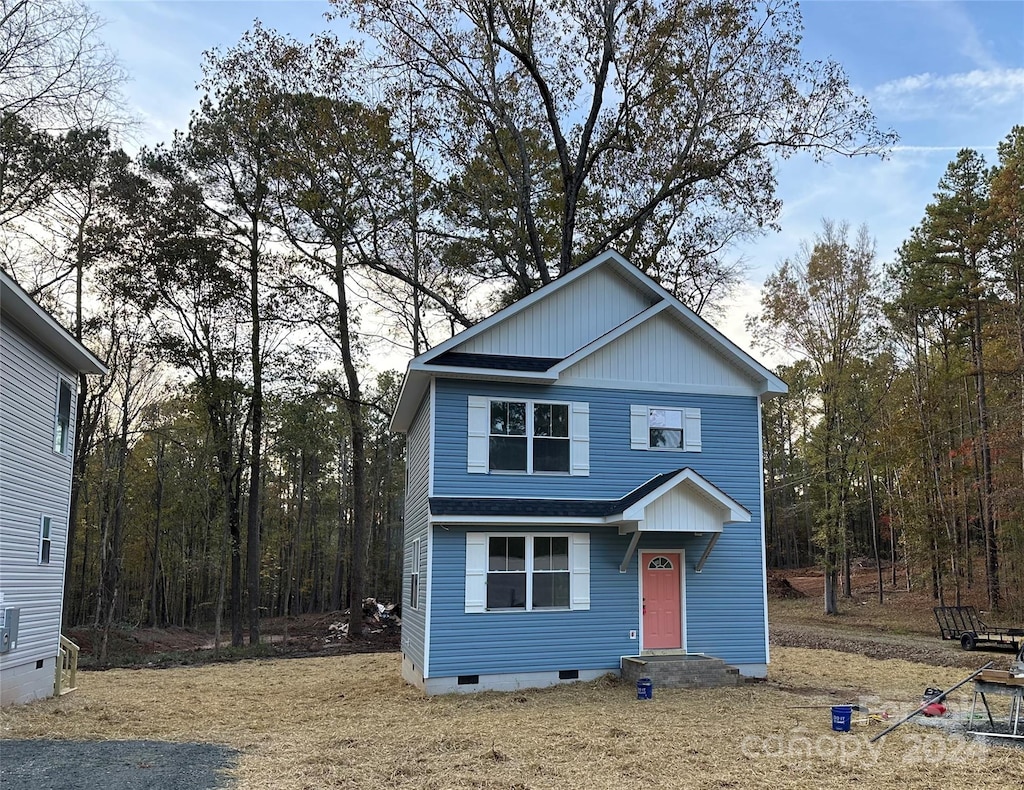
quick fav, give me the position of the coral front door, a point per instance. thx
(662, 600)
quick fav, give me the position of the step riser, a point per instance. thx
(682, 673)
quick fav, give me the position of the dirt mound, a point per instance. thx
(779, 587)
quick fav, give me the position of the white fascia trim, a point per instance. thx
(521, 521)
(484, 374)
(764, 549)
(45, 329)
(419, 378)
(427, 603)
(734, 510)
(414, 386)
(654, 386)
(608, 337)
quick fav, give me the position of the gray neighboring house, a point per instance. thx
(39, 366)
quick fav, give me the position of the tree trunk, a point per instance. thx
(355, 414)
(253, 553)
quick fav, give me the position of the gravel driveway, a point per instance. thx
(113, 765)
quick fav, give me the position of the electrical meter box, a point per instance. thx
(8, 629)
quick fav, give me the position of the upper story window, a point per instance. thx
(62, 421)
(674, 429)
(529, 437)
(526, 436)
(665, 428)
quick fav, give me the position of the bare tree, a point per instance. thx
(55, 70)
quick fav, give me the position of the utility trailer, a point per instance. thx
(963, 623)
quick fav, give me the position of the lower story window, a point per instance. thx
(528, 572)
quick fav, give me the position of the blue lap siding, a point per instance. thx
(724, 604)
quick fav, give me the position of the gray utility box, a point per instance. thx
(8, 629)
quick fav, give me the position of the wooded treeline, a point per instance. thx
(902, 439)
(248, 281)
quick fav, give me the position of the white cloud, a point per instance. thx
(964, 32)
(939, 95)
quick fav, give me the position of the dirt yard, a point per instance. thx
(350, 722)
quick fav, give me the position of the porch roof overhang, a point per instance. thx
(678, 501)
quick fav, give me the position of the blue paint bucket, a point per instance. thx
(842, 715)
(645, 689)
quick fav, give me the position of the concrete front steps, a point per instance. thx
(679, 670)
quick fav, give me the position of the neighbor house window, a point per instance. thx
(527, 572)
(62, 423)
(44, 540)
(528, 437)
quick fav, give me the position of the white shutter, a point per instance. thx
(638, 428)
(691, 430)
(476, 572)
(579, 442)
(477, 435)
(579, 579)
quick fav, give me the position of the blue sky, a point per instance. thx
(943, 75)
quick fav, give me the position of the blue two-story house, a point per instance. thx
(584, 484)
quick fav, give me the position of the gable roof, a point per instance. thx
(17, 305)
(446, 360)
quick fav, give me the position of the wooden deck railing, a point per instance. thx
(66, 679)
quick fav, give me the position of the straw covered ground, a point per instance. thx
(350, 722)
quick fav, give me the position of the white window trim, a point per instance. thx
(68, 444)
(640, 429)
(477, 545)
(478, 436)
(414, 575)
(44, 522)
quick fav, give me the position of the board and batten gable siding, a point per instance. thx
(660, 351)
(417, 514)
(566, 320)
(34, 482)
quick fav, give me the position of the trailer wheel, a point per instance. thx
(967, 641)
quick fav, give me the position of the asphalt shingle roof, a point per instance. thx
(592, 508)
(495, 361)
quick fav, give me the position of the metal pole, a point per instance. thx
(927, 702)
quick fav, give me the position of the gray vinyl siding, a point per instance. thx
(416, 518)
(35, 481)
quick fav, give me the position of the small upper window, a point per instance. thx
(62, 423)
(666, 428)
(44, 540)
(660, 564)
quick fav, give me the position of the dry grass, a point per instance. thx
(350, 722)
